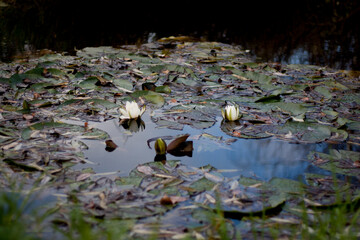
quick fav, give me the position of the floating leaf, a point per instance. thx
(110, 145)
(153, 97)
(252, 131)
(324, 91)
(342, 161)
(66, 128)
(201, 185)
(180, 147)
(175, 144)
(89, 83)
(105, 103)
(237, 201)
(145, 169)
(123, 84)
(308, 132)
(163, 89)
(287, 186)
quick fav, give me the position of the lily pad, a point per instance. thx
(238, 201)
(248, 131)
(66, 129)
(338, 161)
(308, 132)
(153, 97)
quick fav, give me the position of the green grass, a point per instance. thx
(18, 218)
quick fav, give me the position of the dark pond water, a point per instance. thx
(263, 159)
(303, 32)
(310, 32)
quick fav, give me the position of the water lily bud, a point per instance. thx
(160, 146)
(231, 112)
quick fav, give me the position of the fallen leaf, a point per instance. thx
(166, 200)
(171, 200)
(357, 163)
(28, 116)
(177, 142)
(213, 177)
(288, 135)
(102, 200)
(177, 199)
(110, 145)
(236, 133)
(210, 198)
(83, 176)
(145, 169)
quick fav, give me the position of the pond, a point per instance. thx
(291, 147)
(259, 158)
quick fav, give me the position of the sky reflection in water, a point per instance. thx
(264, 158)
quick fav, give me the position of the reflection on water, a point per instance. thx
(133, 125)
(265, 158)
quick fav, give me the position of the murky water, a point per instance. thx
(309, 32)
(260, 158)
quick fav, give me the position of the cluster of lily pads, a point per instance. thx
(182, 83)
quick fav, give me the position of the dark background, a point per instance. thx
(321, 32)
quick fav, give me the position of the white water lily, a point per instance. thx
(231, 112)
(131, 111)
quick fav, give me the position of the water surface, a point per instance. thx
(260, 158)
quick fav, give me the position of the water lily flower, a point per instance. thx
(131, 111)
(231, 112)
(160, 146)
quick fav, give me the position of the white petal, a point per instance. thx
(231, 113)
(223, 113)
(134, 112)
(128, 105)
(124, 114)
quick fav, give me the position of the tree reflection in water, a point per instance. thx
(310, 32)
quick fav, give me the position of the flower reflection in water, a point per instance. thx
(133, 125)
(160, 158)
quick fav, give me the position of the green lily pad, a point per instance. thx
(105, 103)
(264, 81)
(92, 52)
(308, 132)
(153, 97)
(123, 84)
(196, 116)
(238, 201)
(65, 128)
(290, 108)
(240, 130)
(201, 185)
(134, 181)
(163, 89)
(338, 161)
(324, 91)
(287, 186)
(89, 83)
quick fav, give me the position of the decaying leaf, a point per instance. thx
(145, 169)
(110, 145)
